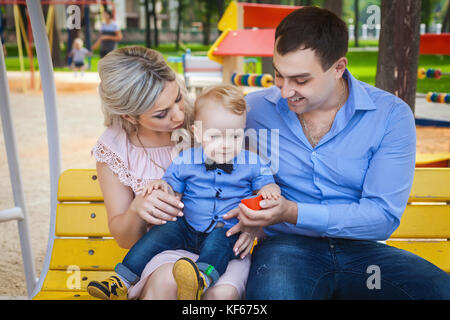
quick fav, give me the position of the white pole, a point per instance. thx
(16, 181)
(49, 92)
(51, 116)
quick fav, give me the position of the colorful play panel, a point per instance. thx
(248, 30)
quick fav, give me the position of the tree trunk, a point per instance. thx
(148, 39)
(425, 14)
(57, 59)
(398, 55)
(446, 21)
(334, 6)
(179, 20)
(356, 23)
(206, 27)
(206, 21)
(155, 24)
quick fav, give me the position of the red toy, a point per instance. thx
(253, 203)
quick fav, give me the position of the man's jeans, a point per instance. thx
(215, 249)
(299, 267)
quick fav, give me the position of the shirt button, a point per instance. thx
(216, 217)
(317, 179)
(313, 153)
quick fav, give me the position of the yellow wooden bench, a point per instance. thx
(433, 160)
(81, 248)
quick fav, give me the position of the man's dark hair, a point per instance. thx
(313, 28)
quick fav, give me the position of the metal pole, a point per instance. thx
(16, 181)
(49, 92)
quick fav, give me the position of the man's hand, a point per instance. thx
(272, 212)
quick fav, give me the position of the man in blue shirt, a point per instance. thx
(345, 157)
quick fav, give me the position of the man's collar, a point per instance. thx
(358, 96)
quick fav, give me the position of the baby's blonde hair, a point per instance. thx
(78, 40)
(131, 80)
(229, 96)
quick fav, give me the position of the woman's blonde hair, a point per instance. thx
(131, 80)
(229, 96)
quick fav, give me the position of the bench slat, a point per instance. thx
(438, 253)
(430, 185)
(63, 295)
(81, 220)
(86, 254)
(79, 185)
(424, 221)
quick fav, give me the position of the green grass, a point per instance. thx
(361, 64)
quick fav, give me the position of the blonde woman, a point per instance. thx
(144, 103)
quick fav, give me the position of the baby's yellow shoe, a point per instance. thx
(189, 279)
(109, 289)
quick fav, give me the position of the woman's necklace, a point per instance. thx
(148, 156)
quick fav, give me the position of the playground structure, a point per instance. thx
(25, 32)
(435, 44)
(79, 235)
(431, 73)
(246, 34)
(252, 79)
(438, 97)
(433, 160)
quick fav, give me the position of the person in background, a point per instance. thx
(110, 34)
(78, 54)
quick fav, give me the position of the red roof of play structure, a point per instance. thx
(258, 36)
(247, 42)
(264, 15)
(435, 44)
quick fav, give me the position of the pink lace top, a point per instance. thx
(129, 162)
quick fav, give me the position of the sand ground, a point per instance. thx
(80, 124)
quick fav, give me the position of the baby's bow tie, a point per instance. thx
(227, 167)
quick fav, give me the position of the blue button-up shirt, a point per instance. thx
(356, 181)
(208, 195)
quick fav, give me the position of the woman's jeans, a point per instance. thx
(215, 249)
(299, 267)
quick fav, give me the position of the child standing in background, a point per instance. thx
(78, 55)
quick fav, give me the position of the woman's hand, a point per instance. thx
(245, 241)
(158, 207)
(272, 212)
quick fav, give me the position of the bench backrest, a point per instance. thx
(425, 226)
